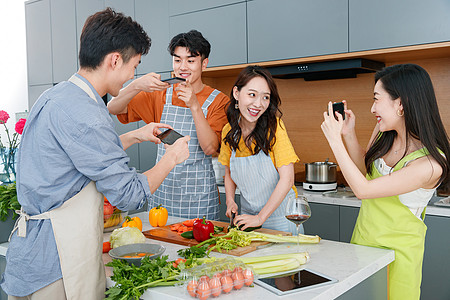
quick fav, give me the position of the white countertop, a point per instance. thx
(317, 197)
(350, 264)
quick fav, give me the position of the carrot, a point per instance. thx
(175, 227)
(190, 223)
(142, 254)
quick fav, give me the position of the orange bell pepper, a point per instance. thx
(158, 216)
(133, 222)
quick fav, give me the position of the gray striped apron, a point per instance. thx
(190, 189)
(256, 177)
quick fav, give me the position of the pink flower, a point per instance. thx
(3, 117)
(19, 125)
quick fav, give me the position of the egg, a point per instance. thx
(227, 284)
(248, 277)
(237, 269)
(191, 287)
(217, 275)
(215, 286)
(203, 290)
(238, 280)
(226, 272)
(204, 278)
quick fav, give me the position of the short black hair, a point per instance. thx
(108, 31)
(193, 41)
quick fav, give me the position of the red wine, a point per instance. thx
(297, 219)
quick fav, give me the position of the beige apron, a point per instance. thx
(78, 230)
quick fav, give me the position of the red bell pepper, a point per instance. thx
(202, 229)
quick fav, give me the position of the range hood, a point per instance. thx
(348, 68)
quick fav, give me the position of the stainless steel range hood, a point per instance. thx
(348, 68)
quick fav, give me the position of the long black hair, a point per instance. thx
(412, 84)
(266, 125)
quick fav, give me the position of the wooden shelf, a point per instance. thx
(386, 55)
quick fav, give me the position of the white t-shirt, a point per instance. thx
(416, 200)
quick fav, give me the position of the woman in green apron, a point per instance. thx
(406, 159)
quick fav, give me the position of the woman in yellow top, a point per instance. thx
(257, 153)
(407, 158)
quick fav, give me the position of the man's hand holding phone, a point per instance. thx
(179, 149)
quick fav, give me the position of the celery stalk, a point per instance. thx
(302, 257)
(275, 266)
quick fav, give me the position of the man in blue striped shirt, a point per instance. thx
(70, 156)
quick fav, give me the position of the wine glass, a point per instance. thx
(298, 211)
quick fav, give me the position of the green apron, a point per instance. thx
(388, 223)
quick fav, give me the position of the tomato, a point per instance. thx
(106, 247)
(108, 210)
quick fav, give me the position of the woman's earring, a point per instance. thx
(236, 105)
(400, 113)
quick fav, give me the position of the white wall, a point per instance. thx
(13, 66)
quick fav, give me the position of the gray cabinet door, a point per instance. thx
(347, 221)
(436, 262)
(39, 43)
(324, 221)
(84, 9)
(124, 6)
(34, 91)
(393, 23)
(147, 153)
(64, 39)
(153, 15)
(296, 28)
(224, 27)
(177, 7)
(223, 206)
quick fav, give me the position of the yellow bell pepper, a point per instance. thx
(158, 216)
(133, 222)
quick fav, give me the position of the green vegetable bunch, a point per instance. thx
(132, 281)
(8, 201)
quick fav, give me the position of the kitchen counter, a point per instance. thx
(317, 197)
(349, 264)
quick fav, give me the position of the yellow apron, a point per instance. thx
(388, 223)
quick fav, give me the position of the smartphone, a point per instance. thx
(169, 136)
(338, 107)
(174, 80)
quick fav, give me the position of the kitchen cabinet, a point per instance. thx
(347, 221)
(292, 28)
(177, 7)
(436, 262)
(223, 206)
(324, 221)
(84, 9)
(393, 23)
(224, 27)
(34, 91)
(125, 7)
(153, 15)
(64, 39)
(39, 42)
(3, 295)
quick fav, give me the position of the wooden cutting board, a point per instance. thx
(166, 235)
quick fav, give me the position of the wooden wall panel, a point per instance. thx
(303, 104)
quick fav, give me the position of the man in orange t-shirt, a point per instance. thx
(191, 108)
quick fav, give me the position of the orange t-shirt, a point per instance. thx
(148, 107)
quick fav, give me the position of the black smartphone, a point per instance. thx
(169, 136)
(338, 107)
(174, 80)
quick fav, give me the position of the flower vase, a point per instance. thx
(8, 173)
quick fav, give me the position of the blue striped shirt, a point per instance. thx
(68, 141)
